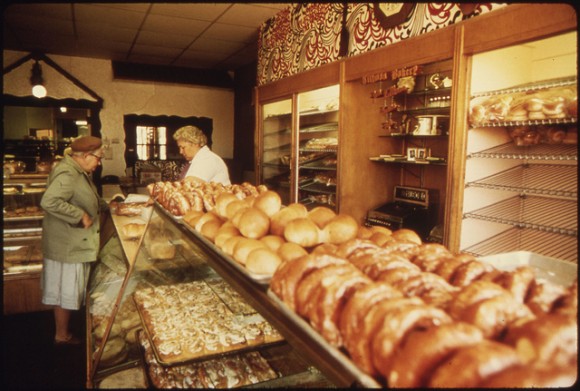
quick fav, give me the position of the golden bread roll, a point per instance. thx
(321, 215)
(233, 207)
(280, 219)
(340, 229)
(381, 229)
(205, 218)
(263, 261)
(302, 231)
(192, 216)
(226, 231)
(221, 203)
(161, 250)
(290, 251)
(424, 349)
(230, 244)
(133, 230)
(253, 223)
(243, 248)
(298, 208)
(210, 228)
(406, 234)
(469, 366)
(364, 232)
(268, 202)
(380, 238)
(235, 219)
(273, 242)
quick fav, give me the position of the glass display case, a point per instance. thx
(298, 154)
(158, 299)
(276, 157)
(22, 244)
(318, 147)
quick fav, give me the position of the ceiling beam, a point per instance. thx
(172, 74)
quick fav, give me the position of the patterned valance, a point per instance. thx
(307, 35)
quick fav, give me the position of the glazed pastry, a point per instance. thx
(470, 366)
(551, 338)
(422, 350)
(396, 323)
(358, 305)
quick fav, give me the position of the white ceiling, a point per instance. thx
(220, 36)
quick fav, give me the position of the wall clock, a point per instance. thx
(390, 15)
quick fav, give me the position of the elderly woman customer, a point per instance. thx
(203, 164)
(70, 237)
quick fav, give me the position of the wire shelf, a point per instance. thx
(530, 122)
(532, 212)
(560, 152)
(534, 179)
(516, 239)
(542, 85)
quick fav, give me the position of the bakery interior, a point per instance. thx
(403, 207)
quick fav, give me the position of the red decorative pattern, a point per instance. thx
(307, 35)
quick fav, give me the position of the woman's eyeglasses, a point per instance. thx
(99, 158)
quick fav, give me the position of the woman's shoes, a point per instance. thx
(71, 340)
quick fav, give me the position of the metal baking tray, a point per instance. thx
(362, 378)
(185, 359)
(547, 268)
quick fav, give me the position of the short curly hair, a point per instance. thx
(193, 134)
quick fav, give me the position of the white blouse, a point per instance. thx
(209, 166)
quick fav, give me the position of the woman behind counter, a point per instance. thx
(70, 232)
(203, 163)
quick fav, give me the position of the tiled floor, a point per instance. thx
(30, 359)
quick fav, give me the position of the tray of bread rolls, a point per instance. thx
(403, 314)
(262, 279)
(189, 322)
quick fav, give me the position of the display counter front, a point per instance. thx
(160, 299)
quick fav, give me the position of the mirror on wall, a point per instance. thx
(38, 131)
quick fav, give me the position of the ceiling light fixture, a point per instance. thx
(36, 80)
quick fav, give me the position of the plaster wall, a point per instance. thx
(122, 97)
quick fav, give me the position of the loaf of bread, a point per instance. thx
(133, 231)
